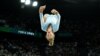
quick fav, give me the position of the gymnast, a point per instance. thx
(49, 23)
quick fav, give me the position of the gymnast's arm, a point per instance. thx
(41, 9)
(57, 14)
(59, 17)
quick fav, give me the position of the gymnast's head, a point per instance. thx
(50, 35)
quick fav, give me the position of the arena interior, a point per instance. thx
(21, 34)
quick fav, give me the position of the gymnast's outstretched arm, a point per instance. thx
(42, 17)
(41, 9)
(56, 26)
(55, 12)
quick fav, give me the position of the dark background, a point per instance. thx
(78, 17)
(78, 35)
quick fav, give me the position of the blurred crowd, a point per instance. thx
(26, 48)
(15, 47)
(86, 34)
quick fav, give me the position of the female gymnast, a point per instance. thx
(49, 23)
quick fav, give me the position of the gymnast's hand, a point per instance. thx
(42, 8)
(54, 11)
